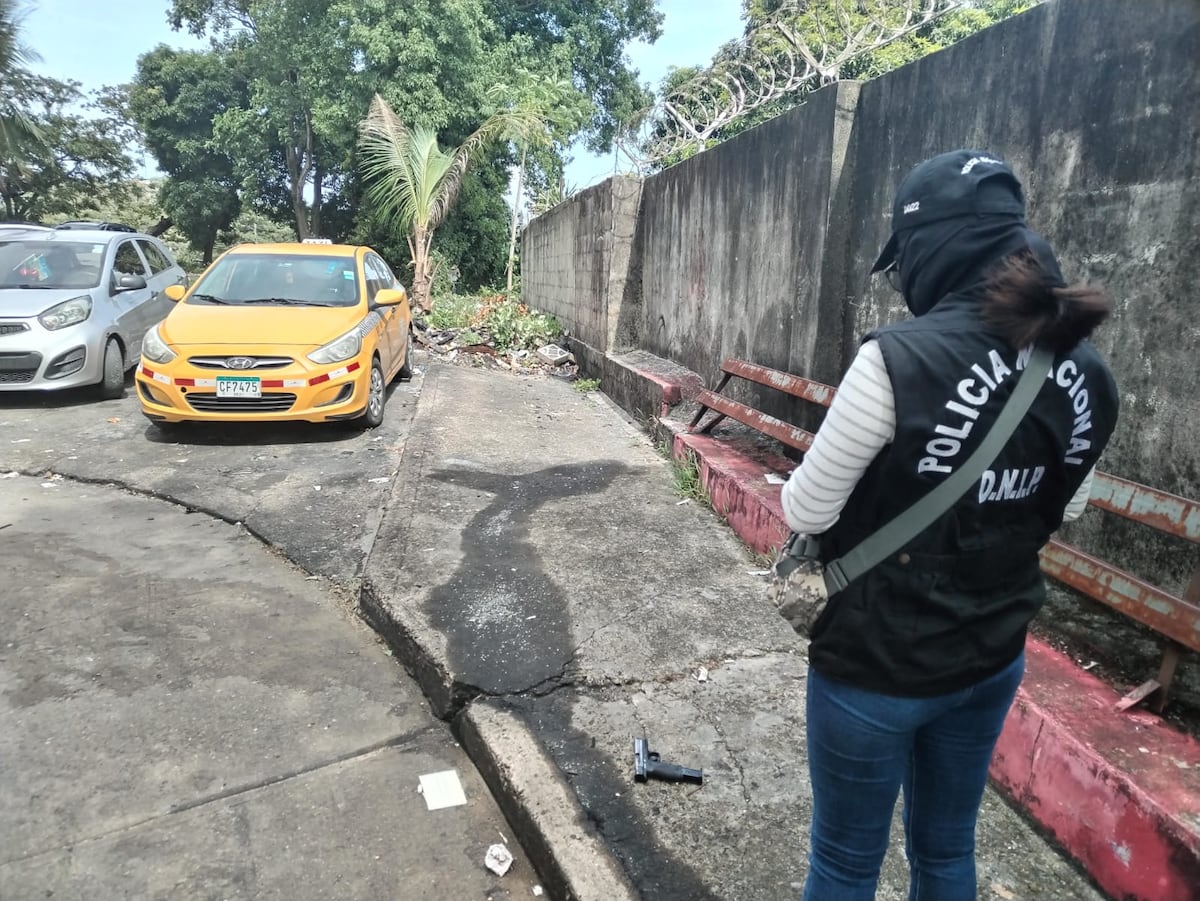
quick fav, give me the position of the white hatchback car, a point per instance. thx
(75, 304)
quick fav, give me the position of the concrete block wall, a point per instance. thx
(761, 247)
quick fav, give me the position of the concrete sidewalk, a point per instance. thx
(537, 572)
(185, 715)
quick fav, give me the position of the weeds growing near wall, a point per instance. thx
(685, 475)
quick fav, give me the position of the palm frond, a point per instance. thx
(508, 122)
(17, 133)
(410, 179)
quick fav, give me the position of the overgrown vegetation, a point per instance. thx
(494, 318)
(585, 386)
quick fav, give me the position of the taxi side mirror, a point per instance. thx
(175, 292)
(389, 297)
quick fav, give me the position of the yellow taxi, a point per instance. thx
(271, 332)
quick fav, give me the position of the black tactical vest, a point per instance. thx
(951, 608)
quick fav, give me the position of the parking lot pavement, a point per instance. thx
(185, 715)
(313, 491)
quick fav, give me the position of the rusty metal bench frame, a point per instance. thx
(1175, 618)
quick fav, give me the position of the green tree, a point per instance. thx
(312, 67)
(412, 182)
(82, 158)
(18, 132)
(175, 98)
(552, 110)
(592, 35)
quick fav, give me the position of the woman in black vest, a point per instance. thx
(914, 664)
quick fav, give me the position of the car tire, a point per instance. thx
(406, 370)
(376, 398)
(112, 383)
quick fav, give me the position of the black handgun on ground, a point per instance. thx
(648, 765)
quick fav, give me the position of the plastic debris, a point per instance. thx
(775, 479)
(498, 859)
(538, 891)
(380, 480)
(702, 674)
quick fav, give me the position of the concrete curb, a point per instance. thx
(571, 858)
(1119, 792)
(1110, 787)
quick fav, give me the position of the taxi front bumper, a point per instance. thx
(180, 392)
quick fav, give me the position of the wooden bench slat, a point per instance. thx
(1166, 512)
(768, 425)
(795, 385)
(1158, 609)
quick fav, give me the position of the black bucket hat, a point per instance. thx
(947, 186)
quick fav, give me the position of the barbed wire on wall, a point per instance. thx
(803, 44)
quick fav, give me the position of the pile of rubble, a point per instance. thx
(449, 346)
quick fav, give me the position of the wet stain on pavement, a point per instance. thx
(505, 617)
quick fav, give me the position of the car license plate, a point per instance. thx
(239, 386)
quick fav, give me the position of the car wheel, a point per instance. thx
(406, 370)
(376, 398)
(112, 385)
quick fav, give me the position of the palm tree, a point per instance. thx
(17, 130)
(413, 182)
(555, 109)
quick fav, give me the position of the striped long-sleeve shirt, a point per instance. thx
(859, 424)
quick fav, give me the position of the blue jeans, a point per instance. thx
(863, 748)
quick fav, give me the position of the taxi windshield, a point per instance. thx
(249, 279)
(31, 263)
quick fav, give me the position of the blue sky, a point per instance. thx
(97, 42)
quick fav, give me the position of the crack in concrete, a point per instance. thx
(729, 753)
(152, 494)
(396, 741)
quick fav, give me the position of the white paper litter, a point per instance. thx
(442, 790)
(702, 674)
(380, 480)
(775, 479)
(538, 891)
(498, 859)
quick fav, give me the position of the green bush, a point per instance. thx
(501, 316)
(454, 311)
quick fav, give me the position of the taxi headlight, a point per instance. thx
(69, 312)
(155, 349)
(339, 349)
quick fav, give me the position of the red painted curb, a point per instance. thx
(1120, 792)
(738, 486)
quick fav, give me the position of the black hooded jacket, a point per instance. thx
(951, 608)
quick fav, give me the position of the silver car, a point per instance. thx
(75, 305)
